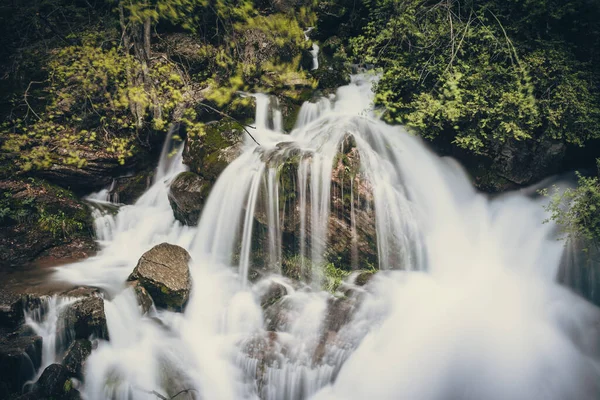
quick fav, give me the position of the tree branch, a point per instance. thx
(221, 113)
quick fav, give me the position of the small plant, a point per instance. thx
(577, 210)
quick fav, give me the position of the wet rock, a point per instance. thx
(41, 217)
(127, 189)
(20, 357)
(143, 298)
(82, 291)
(208, 155)
(75, 357)
(277, 316)
(351, 224)
(54, 382)
(83, 319)
(274, 292)
(187, 195)
(163, 271)
(174, 380)
(363, 277)
(330, 77)
(339, 313)
(267, 351)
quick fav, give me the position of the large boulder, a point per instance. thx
(82, 319)
(39, 219)
(187, 195)
(163, 271)
(20, 357)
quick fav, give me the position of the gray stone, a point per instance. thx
(163, 271)
(187, 195)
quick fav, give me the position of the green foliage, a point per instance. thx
(577, 210)
(58, 224)
(333, 277)
(479, 75)
(47, 207)
(93, 102)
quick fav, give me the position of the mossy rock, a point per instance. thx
(209, 154)
(38, 217)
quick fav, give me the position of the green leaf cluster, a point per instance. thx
(478, 74)
(577, 210)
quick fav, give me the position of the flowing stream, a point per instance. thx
(465, 305)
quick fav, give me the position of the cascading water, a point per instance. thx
(465, 307)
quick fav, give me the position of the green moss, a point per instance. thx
(67, 386)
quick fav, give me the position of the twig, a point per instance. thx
(161, 397)
(27, 102)
(232, 118)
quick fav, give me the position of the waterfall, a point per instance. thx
(465, 306)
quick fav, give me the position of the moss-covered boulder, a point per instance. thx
(208, 155)
(187, 195)
(163, 271)
(41, 219)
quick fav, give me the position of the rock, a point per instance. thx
(142, 296)
(526, 162)
(350, 190)
(41, 220)
(331, 77)
(351, 223)
(363, 277)
(11, 309)
(187, 195)
(278, 315)
(209, 154)
(339, 313)
(267, 351)
(83, 319)
(274, 292)
(54, 382)
(75, 357)
(127, 189)
(100, 168)
(20, 357)
(82, 291)
(163, 271)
